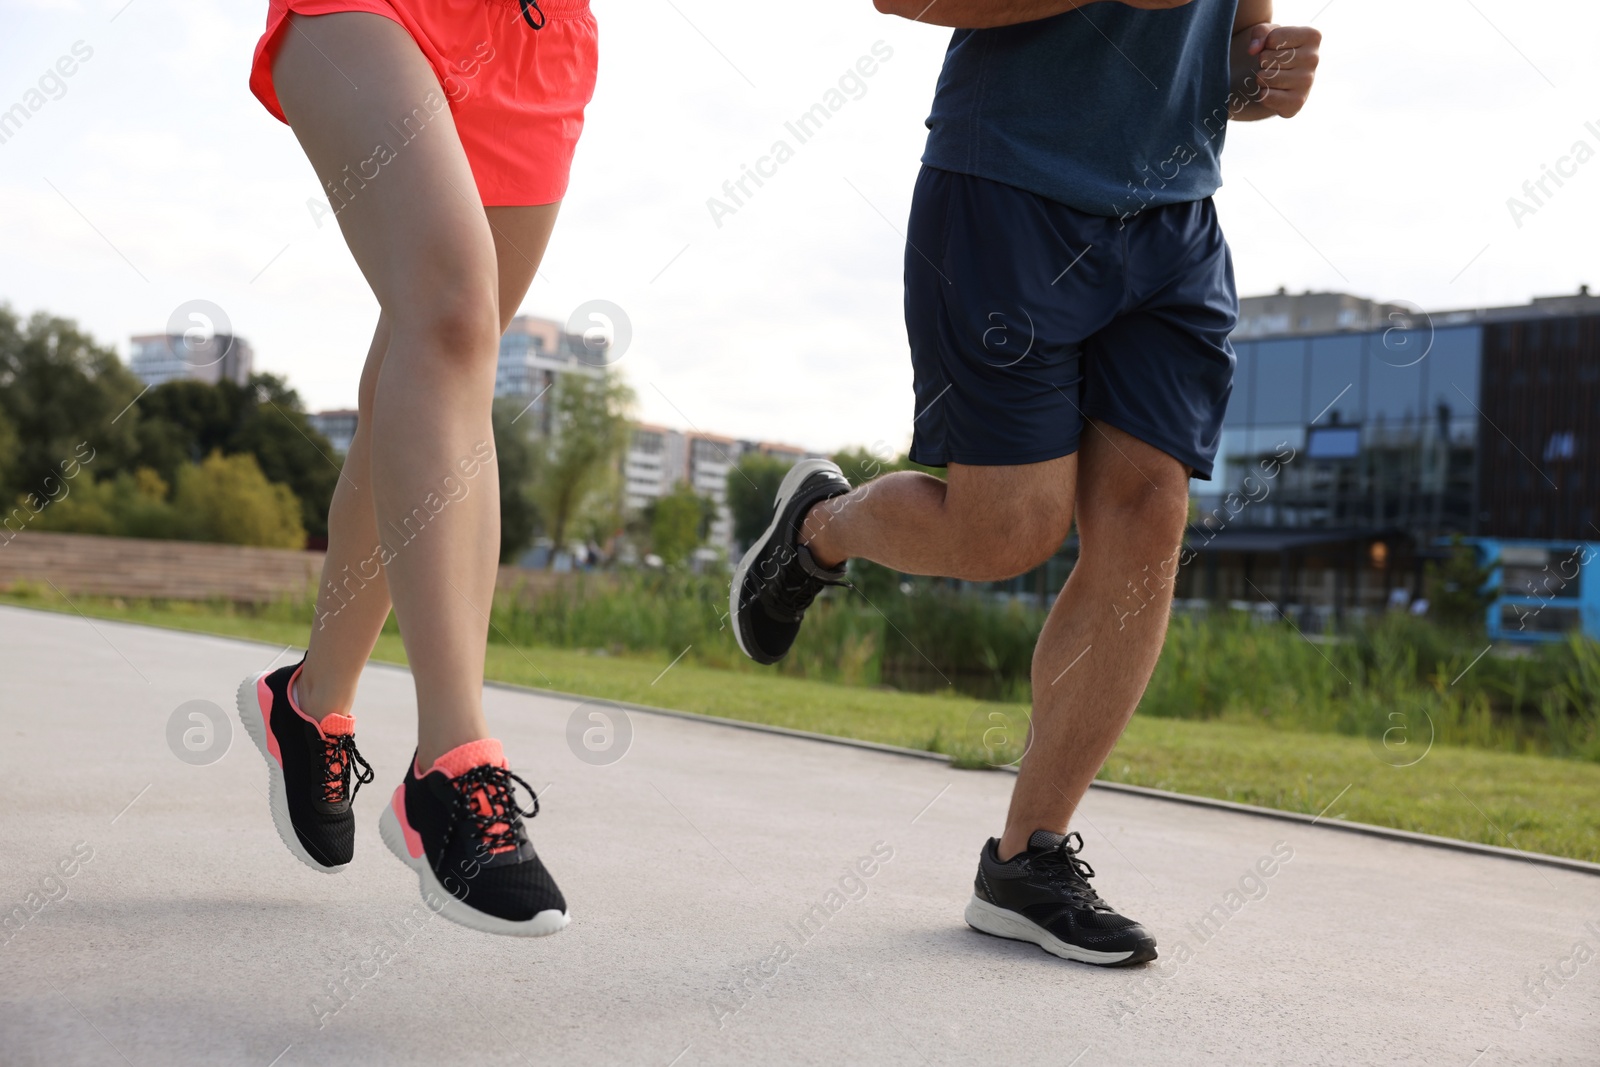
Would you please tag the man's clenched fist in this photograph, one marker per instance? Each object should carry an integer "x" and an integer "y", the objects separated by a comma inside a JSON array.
[{"x": 1273, "y": 67}]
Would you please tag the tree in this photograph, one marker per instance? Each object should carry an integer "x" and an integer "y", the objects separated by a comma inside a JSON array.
[
  {"x": 182, "y": 422},
  {"x": 58, "y": 390},
  {"x": 185, "y": 421},
  {"x": 752, "y": 487},
  {"x": 228, "y": 499},
  {"x": 273, "y": 428},
  {"x": 67, "y": 400},
  {"x": 678, "y": 523},
  {"x": 515, "y": 454},
  {"x": 9, "y": 446},
  {"x": 860, "y": 465},
  {"x": 578, "y": 462}
]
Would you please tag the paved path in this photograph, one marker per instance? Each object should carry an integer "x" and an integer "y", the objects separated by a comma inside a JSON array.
[{"x": 187, "y": 934}]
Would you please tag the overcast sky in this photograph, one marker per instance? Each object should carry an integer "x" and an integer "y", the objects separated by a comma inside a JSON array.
[{"x": 156, "y": 178}]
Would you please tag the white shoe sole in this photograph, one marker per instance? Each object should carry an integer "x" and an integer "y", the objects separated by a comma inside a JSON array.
[
  {"x": 787, "y": 488},
  {"x": 250, "y": 715},
  {"x": 439, "y": 901},
  {"x": 989, "y": 919}
]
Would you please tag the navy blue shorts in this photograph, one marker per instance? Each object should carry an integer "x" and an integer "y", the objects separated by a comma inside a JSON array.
[{"x": 1027, "y": 317}]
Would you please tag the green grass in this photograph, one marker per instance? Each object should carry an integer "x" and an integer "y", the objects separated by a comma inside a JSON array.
[{"x": 1518, "y": 800}]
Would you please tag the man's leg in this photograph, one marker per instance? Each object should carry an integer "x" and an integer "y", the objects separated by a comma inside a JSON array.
[
  {"x": 1090, "y": 666},
  {"x": 991, "y": 523},
  {"x": 983, "y": 524},
  {"x": 1132, "y": 503}
]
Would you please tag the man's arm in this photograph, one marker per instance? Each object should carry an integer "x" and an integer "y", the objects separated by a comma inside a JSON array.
[
  {"x": 987, "y": 14},
  {"x": 1271, "y": 66}
]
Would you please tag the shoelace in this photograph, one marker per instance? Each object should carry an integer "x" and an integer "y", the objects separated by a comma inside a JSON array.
[
  {"x": 339, "y": 754},
  {"x": 532, "y": 5},
  {"x": 488, "y": 804},
  {"x": 793, "y": 588},
  {"x": 1063, "y": 866}
]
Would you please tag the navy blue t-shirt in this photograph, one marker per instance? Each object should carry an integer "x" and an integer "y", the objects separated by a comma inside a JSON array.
[{"x": 1107, "y": 109}]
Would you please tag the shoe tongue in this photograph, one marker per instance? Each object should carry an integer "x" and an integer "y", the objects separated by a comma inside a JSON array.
[
  {"x": 463, "y": 758},
  {"x": 336, "y": 725},
  {"x": 1044, "y": 840}
]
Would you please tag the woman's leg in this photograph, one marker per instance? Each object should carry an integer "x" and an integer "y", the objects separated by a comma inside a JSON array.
[
  {"x": 353, "y": 600},
  {"x": 370, "y": 115}
]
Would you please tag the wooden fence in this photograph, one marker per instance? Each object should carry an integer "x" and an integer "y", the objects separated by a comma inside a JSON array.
[{"x": 90, "y": 565}]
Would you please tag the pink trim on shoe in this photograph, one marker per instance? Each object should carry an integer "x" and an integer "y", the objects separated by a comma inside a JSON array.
[
  {"x": 413, "y": 839},
  {"x": 264, "y": 702},
  {"x": 332, "y": 723}
]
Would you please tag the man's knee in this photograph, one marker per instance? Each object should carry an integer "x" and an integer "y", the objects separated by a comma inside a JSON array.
[
  {"x": 1004, "y": 540},
  {"x": 1032, "y": 548},
  {"x": 1140, "y": 517}
]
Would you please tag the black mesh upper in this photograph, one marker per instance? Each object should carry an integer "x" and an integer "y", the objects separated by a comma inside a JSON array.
[
  {"x": 511, "y": 885},
  {"x": 1047, "y": 885},
  {"x": 326, "y": 830}
]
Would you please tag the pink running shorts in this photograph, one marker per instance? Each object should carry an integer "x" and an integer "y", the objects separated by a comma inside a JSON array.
[{"x": 516, "y": 75}]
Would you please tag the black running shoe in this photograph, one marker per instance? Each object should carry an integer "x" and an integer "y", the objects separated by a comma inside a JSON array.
[
  {"x": 1043, "y": 895},
  {"x": 462, "y": 833},
  {"x": 308, "y": 769},
  {"x": 778, "y": 579}
]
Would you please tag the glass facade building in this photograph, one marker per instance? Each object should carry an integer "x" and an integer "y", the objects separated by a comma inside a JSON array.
[
  {"x": 1349, "y": 456},
  {"x": 1368, "y": 429}
]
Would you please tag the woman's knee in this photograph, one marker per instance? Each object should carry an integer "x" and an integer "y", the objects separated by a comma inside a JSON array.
[
  {"x": 456, "y": 323},
  {"x": 367, "y": 391}
]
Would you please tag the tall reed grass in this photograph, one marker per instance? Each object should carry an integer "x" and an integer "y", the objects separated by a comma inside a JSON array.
[{"x": 1402, "y": 681}]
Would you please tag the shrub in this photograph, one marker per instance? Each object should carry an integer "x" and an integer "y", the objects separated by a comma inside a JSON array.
[
  {"x": 227, "y": 499},
  {"x": 1455, "y": 588},
  {"x": 128, "y": 505}
]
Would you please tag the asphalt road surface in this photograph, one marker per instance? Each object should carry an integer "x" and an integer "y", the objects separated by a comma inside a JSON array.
[{"x": 719, "y": 912}]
